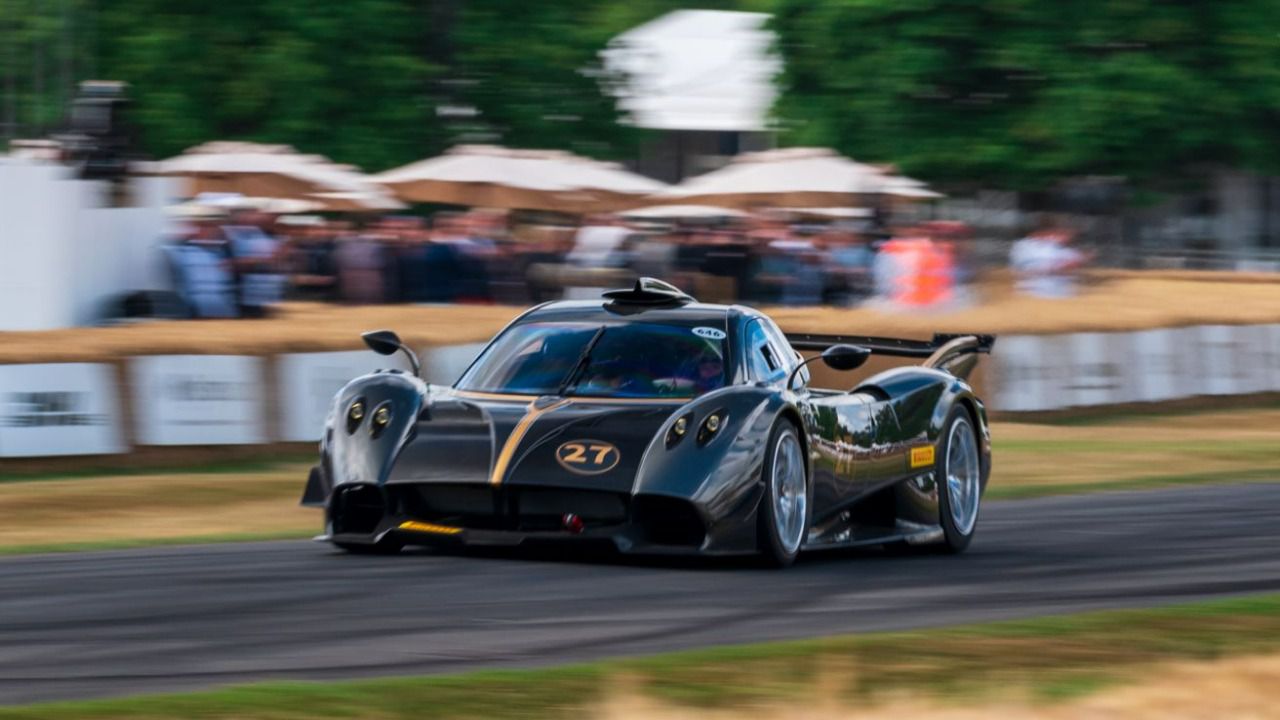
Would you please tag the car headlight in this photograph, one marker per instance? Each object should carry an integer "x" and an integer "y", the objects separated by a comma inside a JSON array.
[
  {"x": 711, "y": 427},
  {"x": 381, "y": 418},
  {"x": 355, "y": 413},
  {"x": 679, "y": 429}
]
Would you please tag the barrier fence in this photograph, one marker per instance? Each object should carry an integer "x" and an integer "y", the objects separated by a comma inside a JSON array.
[{"x": 54, "y": 409}]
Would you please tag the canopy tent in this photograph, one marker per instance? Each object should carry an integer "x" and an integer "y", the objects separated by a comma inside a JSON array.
[
  {"x": 792, "y": 177},
  {"x": 214, "y": 204},
  {"x": 492, "y": 176},
  {"x": 832, "y": 213},
  {"x": 274, "y": 171},
  {"x": 664, "y": 212}
]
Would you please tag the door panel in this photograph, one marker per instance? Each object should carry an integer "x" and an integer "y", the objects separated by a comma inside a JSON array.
[{"x": 843, "y": 437}]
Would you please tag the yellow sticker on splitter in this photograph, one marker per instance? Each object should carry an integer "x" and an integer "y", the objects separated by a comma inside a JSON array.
[
  {"x": 429, "y": 528},
  {"x": 922, "y": 456}
]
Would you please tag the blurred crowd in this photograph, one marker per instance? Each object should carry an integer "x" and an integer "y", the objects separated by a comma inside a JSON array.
[{"x": 241, "y": 263}]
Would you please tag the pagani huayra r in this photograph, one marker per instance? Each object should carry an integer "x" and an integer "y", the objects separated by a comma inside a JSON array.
[{"x": 658, "y": 424}]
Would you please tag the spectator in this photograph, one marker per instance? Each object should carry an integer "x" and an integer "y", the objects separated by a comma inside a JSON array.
[
  {"x": 913, "y": 271},
  {"x": 309, "y": 260},
  {"x": 1045, "y": 264},
  {"x": 255, "y": 256},
  {"x": 362, "y": 263},
  {"x": 848, "y": 261},
  {"x": 202, "y": 272}
]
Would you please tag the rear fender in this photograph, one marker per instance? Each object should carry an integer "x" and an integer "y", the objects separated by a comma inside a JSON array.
[{"x": 922, "y": 399}]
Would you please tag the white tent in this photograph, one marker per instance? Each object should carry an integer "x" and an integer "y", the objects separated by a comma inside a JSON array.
[
  {"x": 492, "y": 176},
  {"x": 274, "y": 171},
  {"x": 664, "y": 212},
  {"x": 792, "y": 177}
]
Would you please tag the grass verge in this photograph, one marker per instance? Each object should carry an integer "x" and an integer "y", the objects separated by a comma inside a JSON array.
[{"x": 1046, "y": 660}]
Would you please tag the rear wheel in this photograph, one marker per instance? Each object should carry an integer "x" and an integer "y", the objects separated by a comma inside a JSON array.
[
  {"x": 959, "y": 481},
  {"x": 784, "y": 510}
]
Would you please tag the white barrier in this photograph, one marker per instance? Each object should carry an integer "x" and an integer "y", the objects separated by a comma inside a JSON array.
[
  {"x": 72, "y": 408},
  {"x": 1271, "y": 355},
  {"x": 308, "y": 381},
  {"x": 1156, "y": 364},
  {"x": 445, "y": 365},
  {"x": 198, "y": 400},
  {"x": 1096, "y": 375},
  {"x": 1051, "y": 372},
  {"x": 58, "y": 409}
]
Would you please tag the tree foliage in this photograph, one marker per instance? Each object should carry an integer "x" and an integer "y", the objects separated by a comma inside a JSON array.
[
  {"x": 372, "y": 82},
  {"x": 1017, "y": 93}
]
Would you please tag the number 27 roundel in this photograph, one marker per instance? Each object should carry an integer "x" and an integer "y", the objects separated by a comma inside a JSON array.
[{"x": 588, "y": 457}]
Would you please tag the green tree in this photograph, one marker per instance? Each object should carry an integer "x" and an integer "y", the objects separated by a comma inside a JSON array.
[
  {"x": 45, "y": 47},
  {"x": 376, "y": 83},
  {"x": 1018, "y": 93},
  {"x": 342, "y": 79}
]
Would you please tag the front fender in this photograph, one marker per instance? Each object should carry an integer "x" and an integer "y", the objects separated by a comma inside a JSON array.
[
  {"x": 359, "y": 451},
  {"x": 721, "y": 478}
]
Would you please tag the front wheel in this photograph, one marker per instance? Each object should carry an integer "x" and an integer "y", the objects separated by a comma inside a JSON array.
[
  {"x": 959, "y": 481},
  {"x": 784, "y": 510}
]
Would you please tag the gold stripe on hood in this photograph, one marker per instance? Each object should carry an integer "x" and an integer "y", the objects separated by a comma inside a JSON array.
[{"x": 532, "y": 413}]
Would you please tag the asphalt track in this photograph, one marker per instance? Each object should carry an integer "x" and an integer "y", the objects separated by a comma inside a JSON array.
[{"x": 113, "y": 623}]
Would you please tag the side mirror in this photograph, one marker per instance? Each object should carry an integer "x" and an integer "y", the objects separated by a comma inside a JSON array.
[
  {"x": 385, "y": 342},
  {"x": 837, "y": 357},
  {"x": 845, "y": 357}
]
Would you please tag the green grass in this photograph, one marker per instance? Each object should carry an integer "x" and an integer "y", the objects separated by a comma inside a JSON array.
[{"x": 1049, "y": 659}]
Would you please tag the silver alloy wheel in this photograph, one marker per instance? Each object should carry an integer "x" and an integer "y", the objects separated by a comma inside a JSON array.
[
  {"x": 790, "y": 492},
  {"x": 963, "y": 476}
]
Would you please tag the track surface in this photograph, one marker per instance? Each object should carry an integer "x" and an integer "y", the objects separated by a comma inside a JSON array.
[{"x": 112, "y": 623}]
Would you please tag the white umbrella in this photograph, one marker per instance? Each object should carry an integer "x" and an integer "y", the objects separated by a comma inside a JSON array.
[
  {"x": 839, "y": 213},
  {"x": 682, "y": 211},
  {"x": 274, "y": 171},
  {"x": 214, "y": 203},
  {"x": 791, "y": 177},
  {"x": 492, "y": 176}
]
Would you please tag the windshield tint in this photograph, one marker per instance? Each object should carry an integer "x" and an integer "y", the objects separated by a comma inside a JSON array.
[{"x": 634, "y": 360}]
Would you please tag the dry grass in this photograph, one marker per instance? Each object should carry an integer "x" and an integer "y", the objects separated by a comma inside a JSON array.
[
  {"x": 1242, "y": 687},
  {"x": 1238, "y": 443},
  {"x": 154, "y": 507},
  {"x": 1120, "y": 302}
]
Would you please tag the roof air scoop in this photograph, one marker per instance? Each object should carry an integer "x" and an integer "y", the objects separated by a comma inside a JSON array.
[{"x": 650, "y": 291}]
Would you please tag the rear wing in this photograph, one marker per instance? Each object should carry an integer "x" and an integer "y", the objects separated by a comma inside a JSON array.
[{"x": 940, "y": 352}]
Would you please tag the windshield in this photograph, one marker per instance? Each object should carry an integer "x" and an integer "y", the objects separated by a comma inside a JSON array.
[{"x": 636, "y": 360}]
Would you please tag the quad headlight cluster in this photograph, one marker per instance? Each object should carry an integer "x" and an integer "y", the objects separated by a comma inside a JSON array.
[{"x": 707, "y": 430}]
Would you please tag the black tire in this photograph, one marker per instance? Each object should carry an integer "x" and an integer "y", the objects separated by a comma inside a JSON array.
[
  {"x": 955, "y": 541},
  {"x": 773, "y": 551}
]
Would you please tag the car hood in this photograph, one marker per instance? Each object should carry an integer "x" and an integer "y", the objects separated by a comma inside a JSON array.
[{"x": 579, "y": 443}]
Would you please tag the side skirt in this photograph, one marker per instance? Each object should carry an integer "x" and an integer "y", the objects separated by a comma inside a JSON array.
[{"x": 864, "y": 535}]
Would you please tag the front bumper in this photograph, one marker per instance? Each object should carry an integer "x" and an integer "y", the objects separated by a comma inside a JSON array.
[
  {"x": 626, "y": 539},
  {"x": 508, "y": 515}
]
